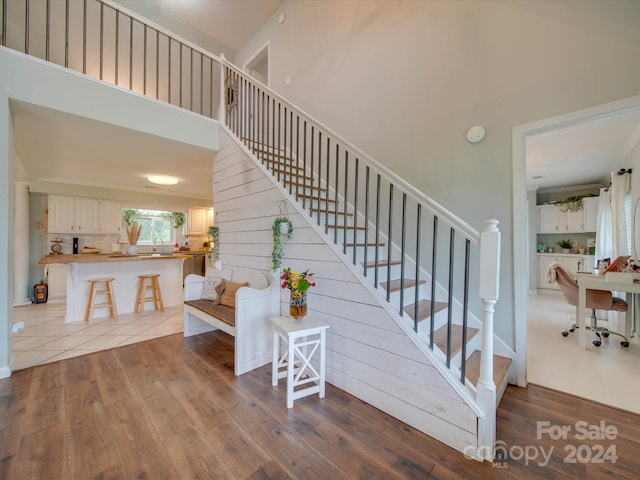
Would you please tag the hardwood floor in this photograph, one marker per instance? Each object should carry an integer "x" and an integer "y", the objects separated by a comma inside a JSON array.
[{"x": 171, "y": 408}]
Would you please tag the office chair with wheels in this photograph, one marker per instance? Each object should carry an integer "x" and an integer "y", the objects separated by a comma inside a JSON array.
[{"x": 596, "y": 300}]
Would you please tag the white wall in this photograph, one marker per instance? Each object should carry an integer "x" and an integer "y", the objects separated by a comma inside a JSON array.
[{"x": 405, "y": 80}]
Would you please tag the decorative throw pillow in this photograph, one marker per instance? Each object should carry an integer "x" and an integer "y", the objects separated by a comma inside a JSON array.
[
  {"x": 229, "y": 295},
  {"x": 212, "y": 287}
]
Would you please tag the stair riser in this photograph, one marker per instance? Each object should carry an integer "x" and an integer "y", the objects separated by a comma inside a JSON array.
[
  {"x": 371, "y": 253},
  {"x": 382, "y": 271},
  {"x": 352, "y": 236},
  {"x": 409, "y": 295},
  {"x": 474, "y": 344}
]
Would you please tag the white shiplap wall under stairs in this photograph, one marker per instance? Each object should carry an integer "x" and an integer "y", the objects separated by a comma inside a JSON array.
[{"x": 368, "y": 354}]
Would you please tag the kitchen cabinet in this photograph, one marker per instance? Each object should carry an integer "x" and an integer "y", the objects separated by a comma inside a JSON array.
[
  {"x": 551, "y": 219},
  {"x": 573, "y": 263},
  {"x": 87, "y": 211},
  {"x": 57, "y": 281},
  {"x": 110, "y": 221},
  {"x": 199, "y": 220},
  {"x": 571, "y": 222},
  {"x": 548, "y": 218},
  {"x": 61, "y": 214},
  {"x": 72, "y": 215},
  {"x": 78, "y": 215}
]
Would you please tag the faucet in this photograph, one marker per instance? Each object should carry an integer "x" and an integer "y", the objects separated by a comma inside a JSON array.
[{"x": 154, "y": 243}]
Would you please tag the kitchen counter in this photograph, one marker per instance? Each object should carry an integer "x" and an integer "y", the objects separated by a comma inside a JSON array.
[
  {"x": 125, "y": 270},
  {"x": 108, "y": 257}
]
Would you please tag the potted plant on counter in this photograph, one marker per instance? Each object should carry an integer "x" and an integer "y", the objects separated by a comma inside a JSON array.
[{"x": 566, "y": 245}]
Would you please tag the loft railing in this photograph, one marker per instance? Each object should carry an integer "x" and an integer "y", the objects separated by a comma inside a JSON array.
[
  {"x": 377, "y": 219},
  {"x": 106, "y": 41}
]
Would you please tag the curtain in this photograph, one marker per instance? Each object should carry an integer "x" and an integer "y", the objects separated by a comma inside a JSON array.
[
  {"x": 613, "y": 235},
  {"x": 604, "y": 228},
  {"x": 621, "y": 213}
]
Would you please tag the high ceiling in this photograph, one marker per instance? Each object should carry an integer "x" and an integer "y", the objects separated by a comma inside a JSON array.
[{"x": 231, "y": 22}]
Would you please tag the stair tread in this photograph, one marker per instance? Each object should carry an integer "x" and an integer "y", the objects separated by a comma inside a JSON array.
[
  {"x": 440, "y": 337},
  {"x": 316, "y": 198},
  {"x": 273, "y": 154},
  {"x": 331, "y": 212},
  {"x": 395, "y": 284},
  {"x": 383, "y": 263},
  {"x": 500, "y": 368},
  {"x": 424, "y": 309},
  {"x": 288, "y": 172},
  {"x": 362, "y": 244},
  {"x": 303, "y": 185},
  {"x": 348, "y": 227},
  {"x": 247, "y": 139},
  {"x": 276, "y": 162}
]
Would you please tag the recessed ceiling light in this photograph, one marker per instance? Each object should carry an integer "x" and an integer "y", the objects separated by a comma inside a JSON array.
[{"x": 162, "y": 179}]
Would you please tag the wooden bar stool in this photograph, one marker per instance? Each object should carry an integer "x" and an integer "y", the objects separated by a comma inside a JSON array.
[
  {"x": 156, "y": 295},
  {"x": 101, "y": 286}
]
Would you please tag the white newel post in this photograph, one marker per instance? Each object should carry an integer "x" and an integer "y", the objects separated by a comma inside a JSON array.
[
  {"x": 222, "y": 113},
  {"x": 21, "y": 245},
  {"x": 489, "y": 290}
]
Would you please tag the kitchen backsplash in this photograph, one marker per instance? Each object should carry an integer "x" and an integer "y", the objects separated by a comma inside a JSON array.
[{"x": 104, "y": 242}]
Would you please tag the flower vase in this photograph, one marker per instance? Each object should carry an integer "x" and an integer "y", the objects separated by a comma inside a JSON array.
[{"x": 298, "y": 305}]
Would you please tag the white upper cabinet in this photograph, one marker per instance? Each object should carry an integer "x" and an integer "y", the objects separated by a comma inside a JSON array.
[
  {"x": 110, "y": 217},
  {"x": 87, "y": 213},
  {"x": 199, "y": 220},
  {"x": 62, "y": 214},
  {"x": 83, "y": 216},
  {"x": 548, "y": 218},
  {"x": 551, "y": 219},
  {"x": 571, "y": 222}
]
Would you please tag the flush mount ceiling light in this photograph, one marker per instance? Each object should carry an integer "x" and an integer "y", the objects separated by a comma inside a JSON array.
[{"x": 162, "y": 179}]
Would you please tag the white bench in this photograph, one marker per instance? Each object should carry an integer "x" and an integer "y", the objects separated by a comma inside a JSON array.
[{"x": 248, "y": 322}]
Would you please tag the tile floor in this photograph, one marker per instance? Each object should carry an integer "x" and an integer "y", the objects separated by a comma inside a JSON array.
[
  {"x": 46, "y": 338},
  {"x": 609, "y": 374}
]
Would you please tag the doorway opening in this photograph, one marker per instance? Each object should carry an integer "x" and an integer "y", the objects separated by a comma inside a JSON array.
[
  {"x": 258, "y": 65},
  {"x": 522, "y": 212}
]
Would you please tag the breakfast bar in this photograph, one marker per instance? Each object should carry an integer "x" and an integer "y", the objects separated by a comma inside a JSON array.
[{"x": 125, "y": 270}]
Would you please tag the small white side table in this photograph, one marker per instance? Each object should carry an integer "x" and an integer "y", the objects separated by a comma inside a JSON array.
[{"x": 303, "y": 339}]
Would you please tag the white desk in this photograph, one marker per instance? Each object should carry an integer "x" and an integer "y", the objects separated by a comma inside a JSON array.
[
  {"x": 599, "y": 282},
  {"x": 303, "y": 338}
]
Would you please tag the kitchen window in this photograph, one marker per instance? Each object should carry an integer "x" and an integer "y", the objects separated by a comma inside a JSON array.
[{"x": 155, "y": 226}]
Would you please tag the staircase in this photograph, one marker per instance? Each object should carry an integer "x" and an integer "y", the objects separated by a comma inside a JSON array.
[
  {"x": 460, "y": 345},
  {"x": 430, "y": 271}
]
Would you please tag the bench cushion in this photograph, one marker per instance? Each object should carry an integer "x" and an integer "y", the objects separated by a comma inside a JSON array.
[
  {"x": 221, "y": 312},
  {"x": 228, "y": 297}
]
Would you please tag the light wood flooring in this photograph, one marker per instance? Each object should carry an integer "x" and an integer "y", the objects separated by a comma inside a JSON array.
[{"x": 171, "y": 408}]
